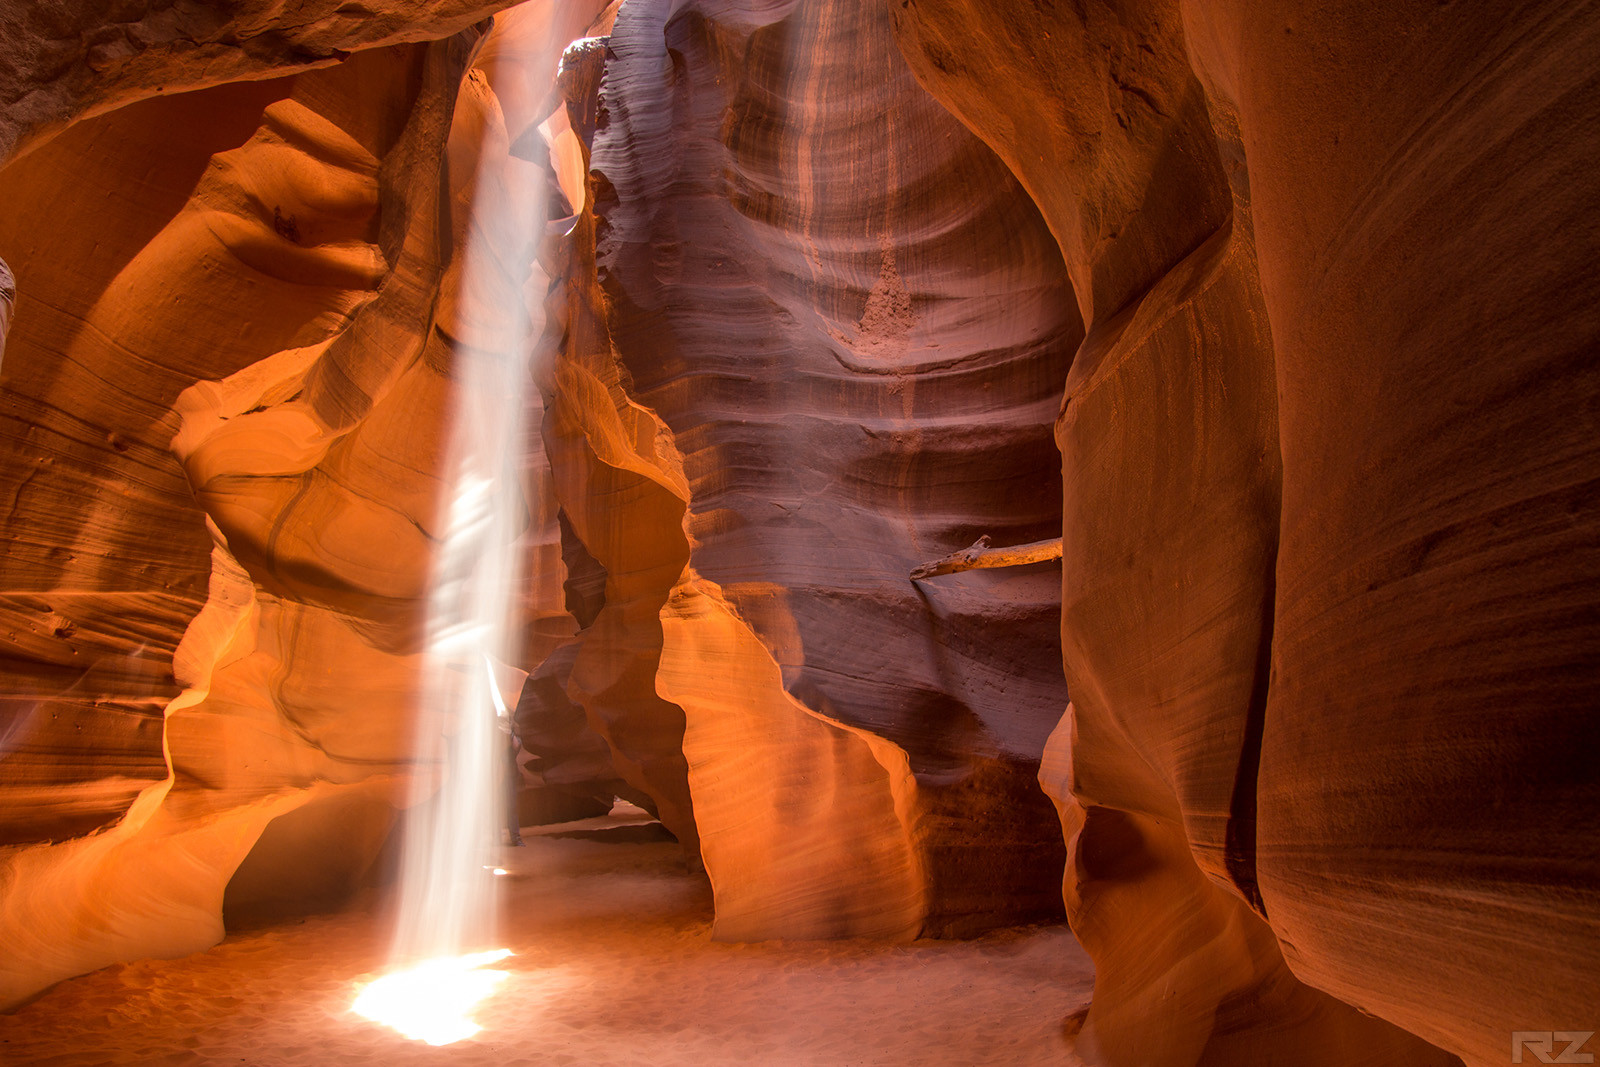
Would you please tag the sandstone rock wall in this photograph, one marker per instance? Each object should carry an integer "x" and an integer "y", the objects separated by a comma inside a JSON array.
[
  {"x": 324, "y": 259},
  {"x": 106, "y": 556},
  {"x": 1315, "y": 688},
  {"x": 621, "y": 490},
  {"x": 1429, "y": 807},
  {"x": 300, "y": 631},
  {"x": 851, "y": 325},
  {"x": 64, "y": 61},
  {"x": 1326, "y": 441}
]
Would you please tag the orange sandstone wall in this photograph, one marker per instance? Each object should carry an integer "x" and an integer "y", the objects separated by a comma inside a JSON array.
[
  {"x": 1339, "y": 724},
  {"x": 1307, "y": 295},
  {"x": 322, "y": 226},
  {"x": 1429, "y": 835},
  {"x": 620, "y": 486},
  {"x": 288, "y": 316},
  {"x": 106, "y": 553}
]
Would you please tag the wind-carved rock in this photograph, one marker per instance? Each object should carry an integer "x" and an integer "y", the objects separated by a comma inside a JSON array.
[
  {"x": 620, "y": 486},
  {"x": 68, "y": 61},
  {"x": 317, "y": 466},
  {"x": 1273, "y": 739},
  {"x": 1168, "y": 438},
  {"x": 1168, "y": 442},
  {"x": 1428, "y": 765},
  {"x": 846, "y": 325},
  {"x": 1327, "y": 514}
]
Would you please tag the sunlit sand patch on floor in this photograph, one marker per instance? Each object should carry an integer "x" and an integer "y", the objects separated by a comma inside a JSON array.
[{"x": 434, "y": 1000}]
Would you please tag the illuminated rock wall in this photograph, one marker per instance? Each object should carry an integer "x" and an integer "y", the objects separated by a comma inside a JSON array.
[
  {"x": 311, "y": 279},
  {"x": 1427, "y": 262},
  {"x": 66, "y": 61},
  {"x": 312, "y": 605}
]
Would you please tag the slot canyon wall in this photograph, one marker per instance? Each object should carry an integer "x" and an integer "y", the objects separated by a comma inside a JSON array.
[
  {"x": 66, "y": 61},
  {"x": 1407, "y": 789},
  {"x": 1282, "y": 319},
  {"x": 837, "y": 395},
  {"x": 226, "y": 404}
]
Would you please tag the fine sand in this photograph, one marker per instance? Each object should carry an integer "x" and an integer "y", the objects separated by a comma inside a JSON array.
[{"x": 614, "y": 965}]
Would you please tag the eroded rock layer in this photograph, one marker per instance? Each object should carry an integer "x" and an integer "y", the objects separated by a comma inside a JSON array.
[
  {"x": 295, "y": 620},
  {"x": 853, "y": 324},
  {"x": 333, "y": 238},
  {"x": 1429, "y": 807},
  {"x": 106, "y": 553},
  {"x": 1168, "y": 441},
  {"x": 621, "y": 490},
  {"x": 1327, "y": 450},
  {"x": 1226, "y": 700},
  {"x": 65, "y": 60}
]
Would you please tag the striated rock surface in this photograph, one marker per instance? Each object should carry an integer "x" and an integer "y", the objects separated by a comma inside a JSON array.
[
  {"x": 1324, "y": 418},
  {"x": 334, "y": 238},
  {"x": 1429, "y": 844},
  {"x": 257, "y": 731},
  {"x": 66, "y": 60},
  {"x": 621, "y": 492},
  {"x": 843, "y": 328},
  {"x": 301, "y": 634},
  {"x": 1168, "y": 442},
  {"x": 1313, "y": 712},
  {"x": 106, "y": 553}
]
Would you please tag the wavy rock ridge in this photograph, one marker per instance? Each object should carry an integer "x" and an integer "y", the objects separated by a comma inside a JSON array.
[
  {"x": 315, "y": 464},
  {"x": 840, "y": 384},
  {"x": 1313, "y": 691}
]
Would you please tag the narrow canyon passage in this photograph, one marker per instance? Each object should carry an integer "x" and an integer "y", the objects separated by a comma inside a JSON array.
[{"x": 1070, "y": 531}]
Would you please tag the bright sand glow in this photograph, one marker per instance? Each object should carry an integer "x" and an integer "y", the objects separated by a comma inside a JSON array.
[{"x": 434, "y": 1001}]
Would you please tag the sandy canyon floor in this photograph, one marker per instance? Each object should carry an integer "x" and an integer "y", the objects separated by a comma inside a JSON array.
[{"x": 614, "y": 965}]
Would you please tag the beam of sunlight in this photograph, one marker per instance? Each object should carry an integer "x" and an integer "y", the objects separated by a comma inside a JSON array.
[
  {"x": 447, "y": 899},
  {"x": 434, "y": 1001}
]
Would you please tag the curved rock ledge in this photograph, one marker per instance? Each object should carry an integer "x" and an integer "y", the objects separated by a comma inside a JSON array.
[{"x": 69, "y": 61}]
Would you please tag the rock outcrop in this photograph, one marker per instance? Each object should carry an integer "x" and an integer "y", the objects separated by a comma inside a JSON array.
[
  {"x": 107, "y": 556},
  {"x": 1429, "y": 807},
  {"x": 1305, "y": 290},
  {"x": 300, "y": 631},
  {"x": 1276, "y": 704},
  {"x": 845, "y": 326},
  {"x": 293, "y": 613},
  {"x": 318, "y": 268},
  {"x": 620, "y": 489},
  {"x": 65, "y": 61}
]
